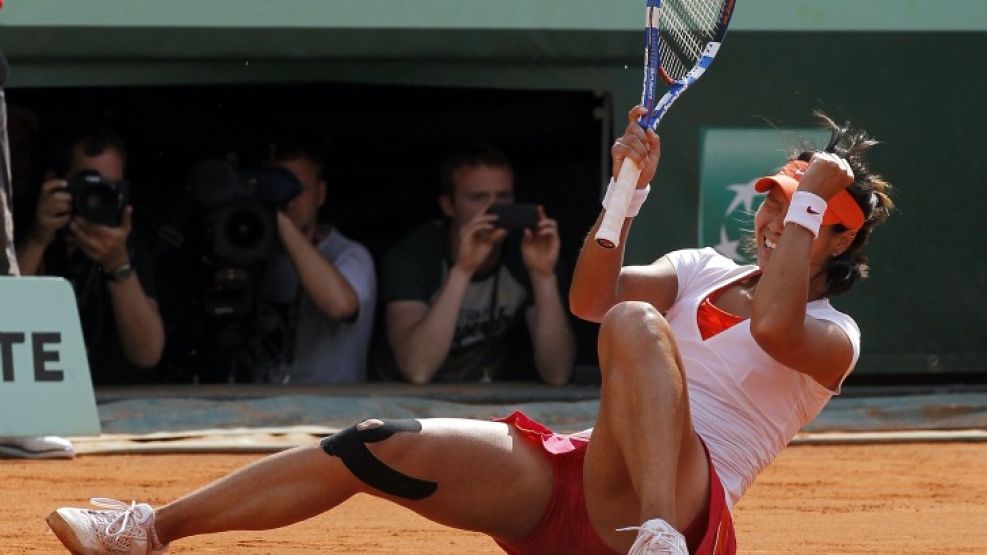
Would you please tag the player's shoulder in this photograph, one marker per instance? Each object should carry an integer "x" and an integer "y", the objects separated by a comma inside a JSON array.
[
  {"x": 822, "y": 309},
  {"x": 701, "y": 258}
]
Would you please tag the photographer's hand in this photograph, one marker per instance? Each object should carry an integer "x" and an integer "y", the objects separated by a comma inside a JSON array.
[
  {"x": 104, "y": 245},
  {"x": 53, "y": 212},
  {"x": 477, "y": 240},
  {"x": 540, "y": 246},
  {"x": 551, "y": 335}
]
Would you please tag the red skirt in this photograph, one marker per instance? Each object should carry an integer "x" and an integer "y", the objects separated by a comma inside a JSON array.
[{"x": 565, "y": 527}]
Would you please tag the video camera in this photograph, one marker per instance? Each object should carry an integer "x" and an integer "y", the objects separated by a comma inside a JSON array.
[
  {"x": 98, "y": 200},
  {"x": 239, "y": 208},
  {"x": 223, "y": 237}
]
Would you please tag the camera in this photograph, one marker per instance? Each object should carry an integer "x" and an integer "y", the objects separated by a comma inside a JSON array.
[
  {"x": 223, "y": 239},
  {"x": 98, "y": 200},
  {"x": 239, "y": 208},
  {"x": 515, "y": 216}
]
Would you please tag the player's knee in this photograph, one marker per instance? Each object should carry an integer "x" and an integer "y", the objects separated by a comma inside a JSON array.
[
  {"x": 633, "y": 326},
  {"x": 350, "y": 446}
]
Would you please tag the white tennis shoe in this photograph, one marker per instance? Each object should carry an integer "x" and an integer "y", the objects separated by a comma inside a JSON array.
[
  {"x": 119, "y": 528},
  {"x": 657, "y": 537},
  {"x": 38, "y": 447}
]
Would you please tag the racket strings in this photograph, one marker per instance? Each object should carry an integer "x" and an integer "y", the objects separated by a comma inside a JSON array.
[{"x": 686, "y": 28}]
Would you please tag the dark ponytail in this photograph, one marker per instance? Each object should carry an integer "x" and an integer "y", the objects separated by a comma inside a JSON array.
[{"x": 872, "y": 195}]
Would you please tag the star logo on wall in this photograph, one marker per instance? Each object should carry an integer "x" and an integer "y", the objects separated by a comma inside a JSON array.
[
  {"x": 744, "y": 196},
  {"x": 742, "y": 193},
  {"x": 726, "y": 247}
]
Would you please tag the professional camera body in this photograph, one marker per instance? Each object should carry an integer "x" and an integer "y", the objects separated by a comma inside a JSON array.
[
  {"x": 98, "y": 200},
  {"x": 226, "y": 232},
  {"x": 239, "y": 208}
]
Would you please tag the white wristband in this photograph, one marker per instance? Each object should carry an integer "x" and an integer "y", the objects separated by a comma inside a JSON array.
[
  {"x": 637, "y": 199},
  {"x": 806, "y": 210}
]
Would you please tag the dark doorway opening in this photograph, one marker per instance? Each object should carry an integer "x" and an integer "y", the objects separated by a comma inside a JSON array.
[{"x": 383, "y": 146}]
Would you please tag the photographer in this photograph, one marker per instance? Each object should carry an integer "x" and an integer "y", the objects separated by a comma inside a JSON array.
[
  {"x": 327, "y": 278},
  {"x": 456, "y": 290},
  {"x": 82, "y": 232}
]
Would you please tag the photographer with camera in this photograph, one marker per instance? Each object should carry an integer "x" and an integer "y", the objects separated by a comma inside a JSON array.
[
  {"x": 328, "y": 279},
  {"x": 456, "y": 290},
  {"x": 270, "y": 295},
  {"x": 82, "y": 232}
]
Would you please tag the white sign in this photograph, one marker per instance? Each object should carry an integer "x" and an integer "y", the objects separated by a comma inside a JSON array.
[{"x": 45, "y": 387}]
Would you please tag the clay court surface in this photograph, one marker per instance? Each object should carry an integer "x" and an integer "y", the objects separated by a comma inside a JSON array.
[{"x": 897, "y": 498}]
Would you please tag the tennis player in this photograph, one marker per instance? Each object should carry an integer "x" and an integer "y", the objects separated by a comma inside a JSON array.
[{"x": 709, "y": 369}]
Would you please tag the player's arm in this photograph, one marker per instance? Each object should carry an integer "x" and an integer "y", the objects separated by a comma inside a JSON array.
[
  {"x": 600, "y": 281},
  {"x": 779, "y": 323}
]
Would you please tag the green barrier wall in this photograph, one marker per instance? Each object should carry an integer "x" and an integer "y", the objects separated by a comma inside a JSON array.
[
  {"x": 913, "y": 78},
  {"x": 923, "y": 308}
]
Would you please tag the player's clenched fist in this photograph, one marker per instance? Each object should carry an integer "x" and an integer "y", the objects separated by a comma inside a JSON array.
[{"x": 826, "y": 175}]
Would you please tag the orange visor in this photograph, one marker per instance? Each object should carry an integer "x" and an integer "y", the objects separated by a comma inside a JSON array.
[{"x": 841, "y": 209}]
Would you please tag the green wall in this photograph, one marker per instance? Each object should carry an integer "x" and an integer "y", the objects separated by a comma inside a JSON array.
[
  {"x": 913, "y": 78},
  {"x": 551, "y": 15},
  {"x": 924, "y": 306}
]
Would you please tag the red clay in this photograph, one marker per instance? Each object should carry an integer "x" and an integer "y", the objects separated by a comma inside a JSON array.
[{"x": 894, "y": 499}]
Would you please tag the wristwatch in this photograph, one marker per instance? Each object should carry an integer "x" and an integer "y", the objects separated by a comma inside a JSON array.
[{"x": 119, "y": 273}]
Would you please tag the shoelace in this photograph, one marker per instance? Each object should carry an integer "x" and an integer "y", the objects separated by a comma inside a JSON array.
[
  {"x": 667, "y": 540},
  {"x": 129, "y": 516}
]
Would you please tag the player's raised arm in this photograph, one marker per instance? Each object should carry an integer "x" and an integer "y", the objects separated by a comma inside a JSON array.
[
  {"x": 681, "y": 39},
  {"x": 779, "y": 322},
  {"x": 600, "y": 280}
]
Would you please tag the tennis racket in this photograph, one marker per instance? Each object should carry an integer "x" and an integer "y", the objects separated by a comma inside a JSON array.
[
  {"x": 8, "y": 262},
  {"x": 681, "y": 38}
]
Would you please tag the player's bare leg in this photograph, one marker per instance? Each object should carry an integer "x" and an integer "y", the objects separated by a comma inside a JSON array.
[
  {"x": 463, "y": 473},
  {"x": 644, "y": 459},
  {"x": 467, "y": 460}
]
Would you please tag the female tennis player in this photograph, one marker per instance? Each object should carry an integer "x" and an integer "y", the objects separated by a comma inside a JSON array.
[{"x": 709, "y": 369}]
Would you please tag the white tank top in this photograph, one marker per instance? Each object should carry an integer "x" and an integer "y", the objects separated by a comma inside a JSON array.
[{"x": 745, "y": 406}]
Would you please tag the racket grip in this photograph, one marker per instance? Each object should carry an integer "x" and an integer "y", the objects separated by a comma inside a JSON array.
[{"x": 608, "y": 236}]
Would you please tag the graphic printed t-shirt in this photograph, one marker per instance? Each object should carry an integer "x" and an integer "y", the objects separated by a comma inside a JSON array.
[{"x": 489, "y": 330}]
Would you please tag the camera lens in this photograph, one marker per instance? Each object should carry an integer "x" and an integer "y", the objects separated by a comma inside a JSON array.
[
  {"x": 92, "y": 202},
  {"x": 245, "y": 229}
]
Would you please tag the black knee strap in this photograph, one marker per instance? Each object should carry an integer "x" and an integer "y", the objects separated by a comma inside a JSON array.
[{"x": 350, "y": 446}]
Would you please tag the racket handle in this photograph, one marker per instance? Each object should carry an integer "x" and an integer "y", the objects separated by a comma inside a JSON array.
[{"x": 608, "y": 236}]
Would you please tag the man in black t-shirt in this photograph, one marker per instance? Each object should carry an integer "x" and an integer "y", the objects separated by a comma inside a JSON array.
[
  {"x": 106, "y": 264},
  {"x": 457, "y": 291}
]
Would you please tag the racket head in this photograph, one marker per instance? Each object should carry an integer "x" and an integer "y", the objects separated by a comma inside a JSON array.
[
  {"x": 680, "y": 36},
  {"x": 685, "y": 28}
]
